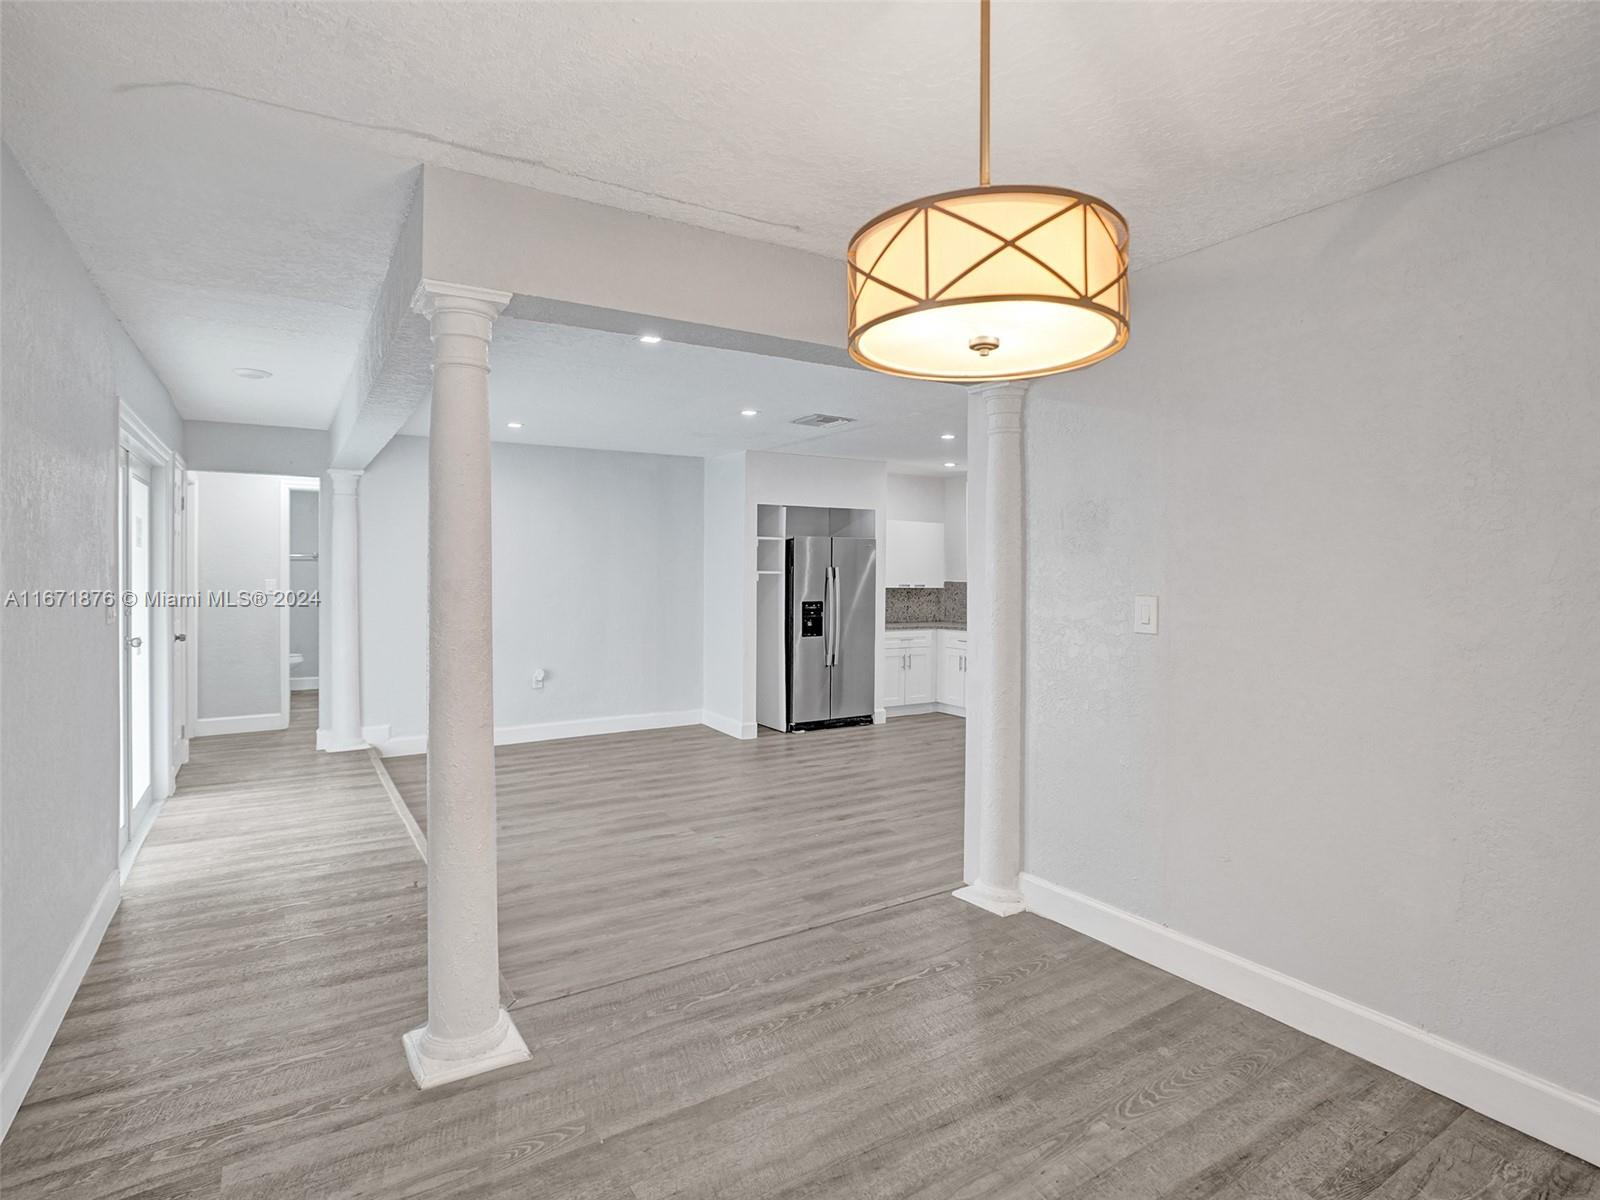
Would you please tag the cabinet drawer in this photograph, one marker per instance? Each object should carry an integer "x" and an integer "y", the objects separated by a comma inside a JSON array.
[{"x": 920, "y": 639}]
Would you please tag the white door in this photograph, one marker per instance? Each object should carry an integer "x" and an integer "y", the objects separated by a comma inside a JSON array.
[
  {"x": 181, "y": 622},
  {"x": 136, "y": 647}
]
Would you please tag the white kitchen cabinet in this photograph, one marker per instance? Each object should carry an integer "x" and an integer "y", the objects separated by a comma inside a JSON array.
[
  {"x": 907, "y": 675},
  {"x": 913, "y": 555},
  {"x": 919, "y": 675},
  {"x": 953, "y": 668},
  {"x": 892, "y": 679},
  {"x": 923, "y": 668}
]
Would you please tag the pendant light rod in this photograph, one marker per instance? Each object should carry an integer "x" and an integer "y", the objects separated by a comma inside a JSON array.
[{"x": 983, "y": 93}]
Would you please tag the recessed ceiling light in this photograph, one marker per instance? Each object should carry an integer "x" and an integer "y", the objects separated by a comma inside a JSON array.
[
  {"x": 949, "y": 464},
  {"x": 947, "y": 437},
  {"x": 649, "y": 339},
  {"x": 748, "y": 412},
  {"x": 252, "y": 373},
  {"x": 513, "y": 424}
]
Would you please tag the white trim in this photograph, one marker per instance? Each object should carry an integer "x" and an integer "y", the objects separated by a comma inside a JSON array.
[
  {"x": 136, "y": 838},
  {"x": 727, "y": 725},
  {"x": 917, "y": 710},
  {"x": 284, "y": 572},
  {"x": 398, "y": 801},
  {"x": 302, "y": 683},
  {"x": 326, "y": 742},
  {"x": 511, "y": 735},
  {"x": 1545, "y": 1110},
  {"x": 249, "y": 723},
  {"x": 18, "y": 1073},
  {"x": 134, "y": 434}
]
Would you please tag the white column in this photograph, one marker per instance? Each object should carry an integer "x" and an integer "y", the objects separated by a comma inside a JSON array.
[
  {"x": 468, "y": 1032},
  {"x": 998, "y": 886},
  {"x": 344, "y": 660}
]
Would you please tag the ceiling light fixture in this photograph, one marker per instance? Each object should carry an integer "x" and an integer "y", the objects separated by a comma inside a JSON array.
[
  {"x": 949, "y": 464},
  {"x": 947, "y": 437},
  {"x": 513, "y": 424},
  {"x": 989, "y": 282},
  {"x": 649, "y": 339},
  {"x": 252, "y": 373},
  {"x": 748, "y": 412}
]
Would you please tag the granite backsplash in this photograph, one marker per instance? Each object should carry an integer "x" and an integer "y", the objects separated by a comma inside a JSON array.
[{"x": 946, "y": 606}]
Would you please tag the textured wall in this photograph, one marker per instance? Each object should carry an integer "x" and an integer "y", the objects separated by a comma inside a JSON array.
[
  {"x": 1358, "y": 456},
  {"x": 597, "y": 578},
  {"x": 65, "y": 361}
]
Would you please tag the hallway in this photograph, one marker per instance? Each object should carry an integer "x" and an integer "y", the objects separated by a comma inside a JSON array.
[{"x": 236, "y": 1036}]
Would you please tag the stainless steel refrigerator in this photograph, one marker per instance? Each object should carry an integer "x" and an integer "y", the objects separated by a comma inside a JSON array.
[{"x": 831, "y": 628}]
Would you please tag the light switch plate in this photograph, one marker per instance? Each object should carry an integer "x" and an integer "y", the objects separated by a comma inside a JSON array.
[{"x": 1145, "y": 615}]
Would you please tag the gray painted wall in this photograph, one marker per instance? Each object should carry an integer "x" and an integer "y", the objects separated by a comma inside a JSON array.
[
  {"x": 240, "y": 651},
  {"x": 258, "y": 449},
  {"x": 1357, "y": 454},
  {"x": 65, "y": 361},
  {"x": 597, "y": 578}
]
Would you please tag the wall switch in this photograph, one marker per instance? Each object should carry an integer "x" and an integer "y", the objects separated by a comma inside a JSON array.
[
  {"x": 538, "y": 679},
  {"x": 1144, "y": 614}
]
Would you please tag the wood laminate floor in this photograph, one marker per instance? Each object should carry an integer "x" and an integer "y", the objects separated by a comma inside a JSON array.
[
  {"x": 709, "y": 843},
  {"x": 238, "y": 1035}
]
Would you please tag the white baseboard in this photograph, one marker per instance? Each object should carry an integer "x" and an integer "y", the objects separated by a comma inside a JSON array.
[
  {"x": 511, "y": 735},
  {"x": 302, "y": 683},
  {"x": 727, "y": 725},
  {"x": 17, "y": 1074},
  {"x": 326, "y": 740},
  {"x": 250, "y": 723},
  {"x": 917, "y": 710},
  {"x": 136, "y": 838},
  {"x": 1566, "y": 1119}
]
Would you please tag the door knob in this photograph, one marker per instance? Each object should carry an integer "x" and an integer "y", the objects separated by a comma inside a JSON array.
[
  {"x": 180, "y": 637},
  {"x": 135, "y": 642}
]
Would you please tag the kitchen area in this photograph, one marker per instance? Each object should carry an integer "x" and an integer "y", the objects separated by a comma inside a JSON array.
[
  {"x": 861, "y": 613},
  {"x": 926, "y": 652}
]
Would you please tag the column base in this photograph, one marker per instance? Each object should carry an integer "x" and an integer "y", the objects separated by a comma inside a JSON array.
[
  {"x": 327, "y": 740},
  {"x": 1000, "y": 903},
  {"x": 431, "y": 1067}
]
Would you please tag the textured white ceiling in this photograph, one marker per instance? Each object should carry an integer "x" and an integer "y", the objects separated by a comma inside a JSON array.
[
  {"x": 580, "y": 387},
  {"x": 235, "y": 174}
]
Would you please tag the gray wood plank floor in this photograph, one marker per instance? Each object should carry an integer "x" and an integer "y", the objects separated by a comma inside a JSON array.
[
  {"x": 238, "y": 1037},
  {"x": 710, "y": 843}
]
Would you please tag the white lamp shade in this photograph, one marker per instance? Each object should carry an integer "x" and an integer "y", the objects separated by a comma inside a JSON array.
[{"x": 989, "y": 283}]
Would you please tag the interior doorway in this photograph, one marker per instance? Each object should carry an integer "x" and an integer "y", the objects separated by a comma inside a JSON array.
[{"x": 138, "y": 646}]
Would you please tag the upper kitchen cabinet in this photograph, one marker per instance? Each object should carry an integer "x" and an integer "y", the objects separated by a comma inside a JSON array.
[{"x": 914, "y": 554}]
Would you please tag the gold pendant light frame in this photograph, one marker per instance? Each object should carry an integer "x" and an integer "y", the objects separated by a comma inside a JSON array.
[{"x": 997, "y": 288}]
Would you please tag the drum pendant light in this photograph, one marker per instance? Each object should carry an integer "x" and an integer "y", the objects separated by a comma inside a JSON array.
[{"x": 991, "y": 282}]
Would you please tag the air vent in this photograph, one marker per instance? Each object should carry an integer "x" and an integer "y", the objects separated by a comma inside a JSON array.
[{"x": 822, "y": 420}]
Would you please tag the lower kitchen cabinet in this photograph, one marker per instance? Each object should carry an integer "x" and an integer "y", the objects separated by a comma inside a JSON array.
[
  {"x": 907, "y": 675},
  {"x": 924, "y": 669}
]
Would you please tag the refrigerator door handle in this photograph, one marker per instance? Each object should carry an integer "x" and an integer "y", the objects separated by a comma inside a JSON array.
[
  {"x": 828, "y": 603},
  {"x": 838, "y": 626}
]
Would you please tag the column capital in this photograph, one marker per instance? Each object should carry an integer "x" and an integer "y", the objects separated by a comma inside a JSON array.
[
  {"x": 435, "y": 296},
  {"x": 1003, "y": 397},
  {"x": 345, "y": 481}
]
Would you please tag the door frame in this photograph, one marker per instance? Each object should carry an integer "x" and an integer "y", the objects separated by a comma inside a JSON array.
[
  {"x": 289, "y": 484},
  {"x": 137, "y": 441}
]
